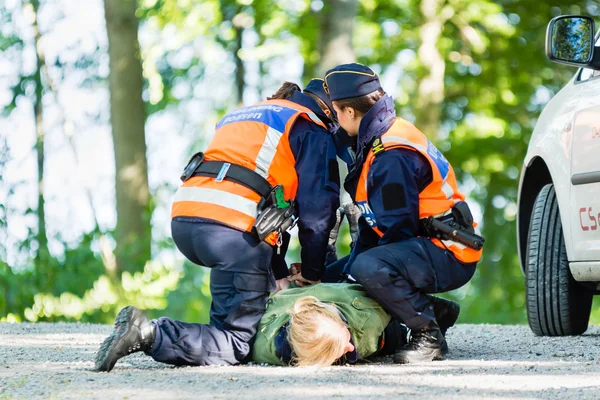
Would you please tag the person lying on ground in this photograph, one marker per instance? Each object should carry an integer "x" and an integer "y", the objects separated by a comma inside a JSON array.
[{"x": 332, "y": 323}]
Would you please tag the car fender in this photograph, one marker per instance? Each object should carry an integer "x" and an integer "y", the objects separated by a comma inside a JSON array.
[{"x": 550, "y": 145}]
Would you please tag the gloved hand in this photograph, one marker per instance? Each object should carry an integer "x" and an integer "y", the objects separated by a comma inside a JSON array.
[
  {"x": 333, "y": 236},
  {"x": 335, "y": 231},
  {"x": 353, "y": 213}
]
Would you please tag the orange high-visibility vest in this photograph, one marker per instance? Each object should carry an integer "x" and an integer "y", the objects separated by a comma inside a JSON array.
[
  {"x": 255, "y": 137},
  {"x": 435, "y": 200}
]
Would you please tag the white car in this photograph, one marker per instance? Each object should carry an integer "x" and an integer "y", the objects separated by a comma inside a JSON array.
[{"x": 558, "y": 221}]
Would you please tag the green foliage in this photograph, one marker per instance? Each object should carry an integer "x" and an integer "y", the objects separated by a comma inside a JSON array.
[
  {"x": 16, "y": 288},
  {"x": 488, "y": 145},
  {"x": 191, "y": 300},
  {"x": 147, "y": 290},
  {"x": 495, "y": 75},
  {"x": 495, "y": 82}
]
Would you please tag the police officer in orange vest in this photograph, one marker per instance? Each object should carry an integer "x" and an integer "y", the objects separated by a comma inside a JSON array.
[
  {"x": 268, "y": 167},
  {"x": 416, "y": 232}
]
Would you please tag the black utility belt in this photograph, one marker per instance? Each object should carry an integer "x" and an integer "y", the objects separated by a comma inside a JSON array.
[
  {"x": 275, "y": 214},
  {"x": 221, "y": 171}
]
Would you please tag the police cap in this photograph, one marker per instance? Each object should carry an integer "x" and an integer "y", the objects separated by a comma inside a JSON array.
[
  {"x": 350, "y": 80},
  {"x": 315, "y": 86}
]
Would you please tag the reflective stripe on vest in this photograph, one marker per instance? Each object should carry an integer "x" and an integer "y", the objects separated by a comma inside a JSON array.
[
  {"x": 435, "y": 199},
  {"x": 217, "y": 197},
  {"x": 256, "y": 137}
]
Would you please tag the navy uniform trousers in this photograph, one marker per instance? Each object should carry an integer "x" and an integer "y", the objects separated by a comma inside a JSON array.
[
  {"x": 240, "y": 283},
  {"x": 399, "y": 275}
]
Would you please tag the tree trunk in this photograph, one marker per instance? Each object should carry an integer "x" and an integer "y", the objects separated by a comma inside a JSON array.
[
  {"x": 430, "y": 93},
  {"x": 336, "y": 27},
  {"x": 240, "y": 72},
  {"x": 335, "y": 39},
  {"x": 133, "y": 231},
  {"x": 42, "y": 240},
  {"x": 232, "y": 11}
]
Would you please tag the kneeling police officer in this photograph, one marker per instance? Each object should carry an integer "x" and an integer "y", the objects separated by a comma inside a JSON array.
[
  {"x": 268, "y": 166},
  {"x": 416, "y": 232}
]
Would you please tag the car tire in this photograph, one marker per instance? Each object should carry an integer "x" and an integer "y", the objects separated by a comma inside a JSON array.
[{"x": 556, "y": 304}]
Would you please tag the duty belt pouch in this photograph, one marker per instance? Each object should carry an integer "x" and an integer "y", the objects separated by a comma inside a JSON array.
[
  {"x": 275, "y": 214},
  {"x": 192, "y": 166}
]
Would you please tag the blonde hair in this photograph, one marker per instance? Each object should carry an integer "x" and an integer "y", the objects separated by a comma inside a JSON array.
[{"x": 316, "y": 333}]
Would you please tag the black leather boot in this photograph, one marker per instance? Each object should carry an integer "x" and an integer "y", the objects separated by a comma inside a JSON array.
[
  {"x": 426, "y": 344},
  {"x": 445, "y": 311},
  {"x": 395, "y": 337},
  {"x": 132, "y": 333}
]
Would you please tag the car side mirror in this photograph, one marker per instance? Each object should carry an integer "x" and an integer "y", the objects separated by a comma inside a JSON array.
[{"x": 570, "y": 40}]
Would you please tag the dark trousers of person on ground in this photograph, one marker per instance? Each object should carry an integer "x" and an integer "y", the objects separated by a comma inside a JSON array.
[
  {"x": 240, "y": 283},
  {"x": 400, "y": 275}
]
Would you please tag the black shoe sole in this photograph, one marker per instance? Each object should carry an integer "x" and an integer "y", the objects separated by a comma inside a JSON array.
[
  {"x": 121, "y": 327},
  {"x": 402, "y": 358},
  {"x": 444, "y": 350},
  {"x": 412, "y": 356}
]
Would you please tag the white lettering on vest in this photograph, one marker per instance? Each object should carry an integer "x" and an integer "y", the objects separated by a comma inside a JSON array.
[
  {"x": 238, "y": 117},
  {"x": 367, "y": 213},
  {"x": 252, "y": 109}
]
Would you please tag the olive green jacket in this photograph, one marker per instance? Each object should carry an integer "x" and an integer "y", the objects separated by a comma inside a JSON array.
[{"x": 366, "y": 318}]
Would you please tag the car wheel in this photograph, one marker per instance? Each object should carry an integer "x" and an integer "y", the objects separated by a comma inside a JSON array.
[{"x": 556, "y": 304}]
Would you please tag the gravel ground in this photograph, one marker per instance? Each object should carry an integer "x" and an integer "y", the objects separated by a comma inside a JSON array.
[{"x": 56, "y": 361}]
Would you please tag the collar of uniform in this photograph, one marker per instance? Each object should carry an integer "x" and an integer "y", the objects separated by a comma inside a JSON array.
[
  {"x": 308, "y": 102},
  {"x": 345, "y": 146},
  {"x": 282, "y": 346},
  {"x": 376, "y": 122}
]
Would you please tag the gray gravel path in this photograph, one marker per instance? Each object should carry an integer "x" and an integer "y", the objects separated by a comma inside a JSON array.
[{"x": 56, "y": 360}]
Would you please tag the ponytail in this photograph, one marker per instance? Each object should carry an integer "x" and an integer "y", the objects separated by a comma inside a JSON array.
[{"x": 285, "y": 91}]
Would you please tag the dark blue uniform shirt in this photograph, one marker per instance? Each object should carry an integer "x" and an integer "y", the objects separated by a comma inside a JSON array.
[
  {"x": 318, "y": 195},
  {"x": 395, "y": 179}
]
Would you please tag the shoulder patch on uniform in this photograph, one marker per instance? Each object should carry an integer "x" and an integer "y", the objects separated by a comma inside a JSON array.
[
  {"x": 377, "y": 146},
  {"x": 394, "y": 197},
  {"x": 333, "y": 172}
]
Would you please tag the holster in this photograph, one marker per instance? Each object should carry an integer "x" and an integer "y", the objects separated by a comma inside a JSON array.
[
  {"x": 192, "y": 166},
  {"x": 456, "y": 226},
  {"x": 274, "y": 216}
]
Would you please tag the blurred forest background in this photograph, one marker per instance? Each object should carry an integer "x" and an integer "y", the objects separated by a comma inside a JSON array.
[{"x": 103, "y": 102}]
